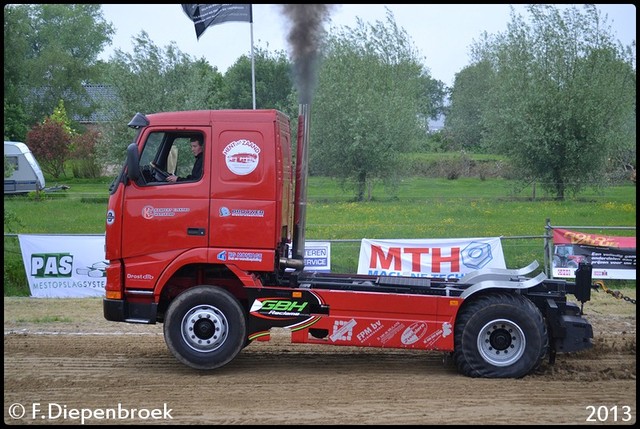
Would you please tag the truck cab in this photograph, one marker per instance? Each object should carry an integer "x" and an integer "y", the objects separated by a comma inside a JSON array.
[{"x": 235, "y": 218}]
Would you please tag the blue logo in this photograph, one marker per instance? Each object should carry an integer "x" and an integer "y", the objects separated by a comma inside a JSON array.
[
  {"x": 224, "y": 212},
  {"x": 476, "y": 255},
  {"x": 222, "y": 256}
]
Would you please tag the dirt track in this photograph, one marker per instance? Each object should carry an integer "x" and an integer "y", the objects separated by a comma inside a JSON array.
[{"x": 60, "y": 355}]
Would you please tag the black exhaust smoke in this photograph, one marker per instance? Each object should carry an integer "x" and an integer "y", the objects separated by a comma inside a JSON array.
[{"x": 304, "y": 42}]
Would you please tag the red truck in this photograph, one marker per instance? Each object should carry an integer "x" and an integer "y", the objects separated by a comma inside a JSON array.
[{"x": 219, "y": 260}]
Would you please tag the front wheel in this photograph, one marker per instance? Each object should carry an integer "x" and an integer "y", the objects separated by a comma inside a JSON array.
[
  {"x": 500, "y": 335},
  {"x": 205, "y": 327}
]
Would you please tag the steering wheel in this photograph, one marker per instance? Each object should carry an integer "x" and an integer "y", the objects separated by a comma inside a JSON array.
[{"x": 160, "y": 174}]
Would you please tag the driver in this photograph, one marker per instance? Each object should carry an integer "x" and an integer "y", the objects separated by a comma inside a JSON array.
[{"x": 196, "y": 171}]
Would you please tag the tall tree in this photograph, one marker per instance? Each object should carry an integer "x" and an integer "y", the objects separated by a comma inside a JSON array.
[
  {"x": 274, "y": 84},
  {"x": 562, "y": 97},
  {"x": 469, "y": 97},
  {"x": 153, "y": 79},
  {"x": 45, "y": 58},
  {"x": 369, "y": 105}
]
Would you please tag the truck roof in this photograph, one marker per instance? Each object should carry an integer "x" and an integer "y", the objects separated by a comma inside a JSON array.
[{"x": 206, "y": 117}]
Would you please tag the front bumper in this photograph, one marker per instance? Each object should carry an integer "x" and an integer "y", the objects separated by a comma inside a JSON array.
[{"x": 117, "y": 310}]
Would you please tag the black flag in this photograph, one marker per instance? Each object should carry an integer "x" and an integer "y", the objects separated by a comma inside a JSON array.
[{"x": 206, "y": 15}]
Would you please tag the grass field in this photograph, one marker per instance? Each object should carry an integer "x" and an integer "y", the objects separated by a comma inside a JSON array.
[{"x": 419, "y": 208}]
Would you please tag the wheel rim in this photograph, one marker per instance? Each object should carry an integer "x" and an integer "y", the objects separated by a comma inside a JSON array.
[
  {"x": 501, "y": 342},
  {"x": 204, "y": 328}
]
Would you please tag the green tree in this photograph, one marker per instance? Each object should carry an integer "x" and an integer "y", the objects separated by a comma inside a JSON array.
[
  {"x": 369, "y": 106},
  {"x": 46, "y": 59},
  {"x": 60, "y": 116},
  {"x": 16, "y": 55},
  {"x": 15, "y": 122},
  {"x": 469, "y": 97},
  {"x": 272, "y": 77},
  {"x": 153, "y": 79},
  {"x": 563, "y": 96}
]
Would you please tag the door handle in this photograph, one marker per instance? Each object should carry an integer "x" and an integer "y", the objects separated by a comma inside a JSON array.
[{"x": 195, "y": 231}]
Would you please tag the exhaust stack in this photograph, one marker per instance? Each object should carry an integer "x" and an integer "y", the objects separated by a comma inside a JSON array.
[{"x": 300, "y": 209}]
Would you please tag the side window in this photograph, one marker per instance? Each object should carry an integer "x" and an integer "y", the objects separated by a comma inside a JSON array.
[
  {"x": 13, "y": 162},
  {"x": 151, "y": 150},
  {"x": 184, "y": 157},
  {"x": 169, "y": 154}
]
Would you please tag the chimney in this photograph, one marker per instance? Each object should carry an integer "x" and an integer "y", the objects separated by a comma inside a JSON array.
[{"x": 300, "y": 209}]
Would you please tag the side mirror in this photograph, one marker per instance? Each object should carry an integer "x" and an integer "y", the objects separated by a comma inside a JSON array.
[{"x": 133, "y": 162}]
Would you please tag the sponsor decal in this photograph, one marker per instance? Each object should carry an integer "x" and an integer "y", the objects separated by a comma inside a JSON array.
[
  {"x": 278, "y": 307},
  {"x": 241, "y": 156},
  {"x": 443, "y": 332},
  {"x": 139, "y": 276},
  {"x": 97, "y": 269},
  {"x": 51, "y": 265},
  {"x": 369, "y": 331},
  {"x": 244, "y": 256},
  {"x": 111, "y": 217},
  {"x": 149, "y": 212},
  {"x": 225, "y": 212},
  {"x": 391, "y": 332},
  {"x": 227, "y": 255},
  {"x": 343, "y": 330},
  {"x": 413, "y": 333}
]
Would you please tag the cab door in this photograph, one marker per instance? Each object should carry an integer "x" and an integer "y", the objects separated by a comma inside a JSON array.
[{"x": 161, "y": 219}]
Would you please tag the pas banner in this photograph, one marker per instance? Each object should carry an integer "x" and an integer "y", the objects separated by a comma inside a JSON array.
[
  {"x": 611, "y": 257},
  {"x": 64, "y": 266},
  {"x": 436, "y": 258}
]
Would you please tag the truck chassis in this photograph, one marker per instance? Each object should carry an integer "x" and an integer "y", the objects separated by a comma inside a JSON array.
[{"x": 495, "y": 323}]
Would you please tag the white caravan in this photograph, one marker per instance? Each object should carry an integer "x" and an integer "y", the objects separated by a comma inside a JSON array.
[{"x": 27, "y": 175}]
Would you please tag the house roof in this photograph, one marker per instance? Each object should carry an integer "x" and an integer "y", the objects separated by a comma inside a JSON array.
[{"x": 100, "y": 95}]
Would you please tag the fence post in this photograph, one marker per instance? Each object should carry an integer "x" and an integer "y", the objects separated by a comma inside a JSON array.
[{"x": 548, "y": 248}]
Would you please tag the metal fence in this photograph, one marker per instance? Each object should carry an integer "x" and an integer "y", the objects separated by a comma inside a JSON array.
[{"x": 519, "y": 251}]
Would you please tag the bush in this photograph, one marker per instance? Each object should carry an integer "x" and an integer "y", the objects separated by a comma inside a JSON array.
[
  {"x": 50, "y": 144},
  {"x": 84, "y": 164}
]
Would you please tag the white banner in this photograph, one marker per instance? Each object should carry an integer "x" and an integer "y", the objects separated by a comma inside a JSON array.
[
  {"x": 64, "y": 266},
  {"x": 436, "y": 258},
  {"x": 317, "y": 256}
]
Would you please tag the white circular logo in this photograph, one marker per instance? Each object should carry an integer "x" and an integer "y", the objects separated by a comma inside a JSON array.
[
  {"x": 241, "y": 157},
  {"x": 111, "y": 217}
]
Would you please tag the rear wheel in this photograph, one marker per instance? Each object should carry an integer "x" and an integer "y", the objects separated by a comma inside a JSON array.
[
  {"x": 205, "y": 327},
  {"x": 500, "y": 336}
]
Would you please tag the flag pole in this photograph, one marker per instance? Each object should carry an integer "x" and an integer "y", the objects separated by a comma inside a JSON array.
[{"x": 253, "y": 68}]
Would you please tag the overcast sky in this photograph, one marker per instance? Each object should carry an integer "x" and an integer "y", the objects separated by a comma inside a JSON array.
[{"x": 442, "y": 33}]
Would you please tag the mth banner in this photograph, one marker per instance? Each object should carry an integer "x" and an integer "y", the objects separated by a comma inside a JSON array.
[
  {"x": 64, "y": 266},
  {"x": 438, "y": 258},
  {"x": 610, "y": 257}
]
